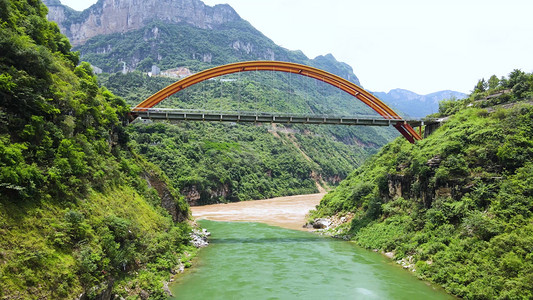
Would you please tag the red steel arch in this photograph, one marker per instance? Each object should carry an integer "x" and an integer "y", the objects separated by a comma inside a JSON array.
[{"x": 370, "y": 100}]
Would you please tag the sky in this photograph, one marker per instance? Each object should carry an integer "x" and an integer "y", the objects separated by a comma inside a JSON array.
[{"x": 419, "y": 45}]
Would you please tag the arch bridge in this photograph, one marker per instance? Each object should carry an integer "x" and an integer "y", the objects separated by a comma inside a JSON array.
[{"x": 146, "y": 109}]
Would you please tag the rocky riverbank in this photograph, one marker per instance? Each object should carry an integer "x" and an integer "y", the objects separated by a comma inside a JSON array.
[
  {"x": 199, "y": 238},
  {"x": 336, "y": 226}
]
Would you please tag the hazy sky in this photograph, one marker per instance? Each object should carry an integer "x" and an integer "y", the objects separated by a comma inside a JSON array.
[{"x": 420, "y": 45}]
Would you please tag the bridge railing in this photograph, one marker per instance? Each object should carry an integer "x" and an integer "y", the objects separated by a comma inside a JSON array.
[
  {"x": 281, "y": 114},
  {"x": 273, "y": 117}
]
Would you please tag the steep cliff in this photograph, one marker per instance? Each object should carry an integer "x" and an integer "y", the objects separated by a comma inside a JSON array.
[{"x": 119, "y": 16}]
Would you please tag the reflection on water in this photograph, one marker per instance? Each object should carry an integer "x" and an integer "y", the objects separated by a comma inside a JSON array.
[
  {"x": 257, "y": 261},
  {"x": 271, "y": 240}
]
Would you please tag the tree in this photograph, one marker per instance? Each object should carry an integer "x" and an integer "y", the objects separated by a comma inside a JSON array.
[
  {"x": 494, "y": 82},
  {"x": 481, "y": 86},
  {"x": 518, "y": 81},
  {"x": 515, "y": 77}
]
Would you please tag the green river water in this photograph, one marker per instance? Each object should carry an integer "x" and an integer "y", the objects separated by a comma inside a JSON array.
[{"x": 258, "y": 261}]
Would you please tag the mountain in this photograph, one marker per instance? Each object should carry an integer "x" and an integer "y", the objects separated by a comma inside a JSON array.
[
  {"x": 457, "y": 207},
  {"x": 415, "y": 105},
  {"x": 134, "y": 35}
]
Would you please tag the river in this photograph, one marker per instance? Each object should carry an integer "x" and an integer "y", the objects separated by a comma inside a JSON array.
[{"x": 250, "y": 260}]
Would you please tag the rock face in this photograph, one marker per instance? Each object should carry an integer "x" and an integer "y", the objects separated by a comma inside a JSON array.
[
  {"x": 168, "y": 200},
  {"x": 112, "y": 16},
  {"x": 409, "y": 187},
  {"x": 195, "y": 196}
]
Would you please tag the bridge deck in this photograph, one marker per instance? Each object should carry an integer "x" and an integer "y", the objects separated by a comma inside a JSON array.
[{"x": 258, "y": 117}]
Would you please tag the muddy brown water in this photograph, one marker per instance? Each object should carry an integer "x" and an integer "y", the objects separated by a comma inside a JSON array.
[{"x": 287, "y": 212}]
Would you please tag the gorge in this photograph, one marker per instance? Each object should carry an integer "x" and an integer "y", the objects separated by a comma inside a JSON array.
[{"x": 93, "y": 207}]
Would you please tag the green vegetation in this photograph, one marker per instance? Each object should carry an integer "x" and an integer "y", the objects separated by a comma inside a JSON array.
[
  {"x": 77, "y": 214},
  {"x": 81, "y": 209},
  {"x": 220, "y": 162},
  {"x": 457, "y": 207},
  {"x": 486, "y": 94}
]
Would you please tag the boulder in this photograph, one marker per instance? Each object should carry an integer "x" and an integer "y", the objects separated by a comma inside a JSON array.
[{"x": 321, "y": 223}]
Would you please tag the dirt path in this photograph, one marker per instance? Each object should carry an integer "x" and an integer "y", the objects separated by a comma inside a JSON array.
[{"x": 288, "y": 212}]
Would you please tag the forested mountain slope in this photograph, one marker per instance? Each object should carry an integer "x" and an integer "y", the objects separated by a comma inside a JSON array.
[
  {"x": 457, "y": 207},
  {"x": 78, "y": 214}
]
